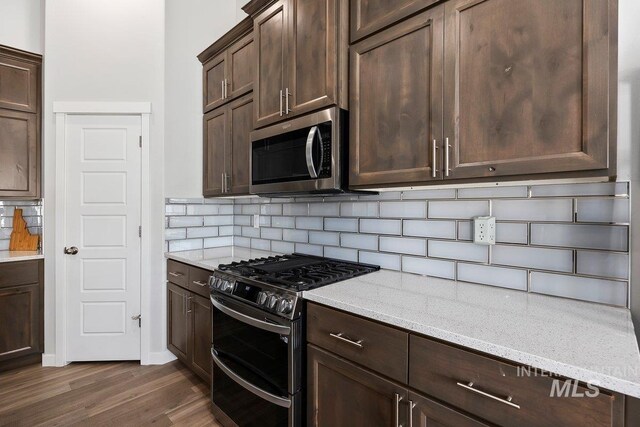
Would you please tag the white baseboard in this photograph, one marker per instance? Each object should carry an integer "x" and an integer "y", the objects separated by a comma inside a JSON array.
[
  {"x": 161, "y": 357},
  {"x": 49, "y": 360}
]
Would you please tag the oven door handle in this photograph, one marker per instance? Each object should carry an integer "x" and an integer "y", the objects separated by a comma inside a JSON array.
[
  {"x": 269, "y": 397},
  {"x": 261, "y": 324},
  {"x": 309, "y": 151}
]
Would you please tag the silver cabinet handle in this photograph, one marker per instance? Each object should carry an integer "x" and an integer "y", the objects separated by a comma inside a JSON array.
[
  {"x": 507, "y": 401},
  {"x": 411, "y": 406},
  {"x": 226, "y": 89},
  {"x": 341, "y": 337},
  {"x": 309, "y": 151},
  {"x": 434, "y": 164},
  {"x": 446, "y": 156},
  {"x": 222, "y": 88},
  {"x": 199, "y": 283},
  {"x": 286, "y": 98},
  {"x": 172, "y": 274},
  {"x": 188, "y": 304},
  {"x": 269, "y": 397},
  {"x": 280, "y": 102},
  {"x": 261, "y": 324},
  {"x": 227, "y": 182},
  {"x": 222, "y": 184},
  {"x": 396, "y": 408}
]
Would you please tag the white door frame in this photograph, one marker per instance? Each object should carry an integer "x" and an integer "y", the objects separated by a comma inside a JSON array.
[{"x": 61, "y": 111}]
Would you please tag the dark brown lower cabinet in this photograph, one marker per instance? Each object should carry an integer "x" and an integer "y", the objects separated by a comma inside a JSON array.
[
  {"x": 189, "y": 317},
  {"x": 343, "y": 394},
  {"x": 21, "y": 317}
]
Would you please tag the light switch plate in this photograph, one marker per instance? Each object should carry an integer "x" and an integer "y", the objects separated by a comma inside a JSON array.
[{"x": 484, "y": 230}]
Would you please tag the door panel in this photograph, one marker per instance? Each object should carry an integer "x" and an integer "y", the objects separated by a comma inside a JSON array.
[
  {"x": 201, "y": 336},
  {"x": 20, "y": 320},
  {"x": 270, "y": 37},
  {"x": 428, "y": 413},
  {"x": 241, "y": 124},
  {"x": 19, "y": 88},
  {"x": 241, "y": 58},
  {"x": 102, "y": 219},
  {"x": 312, "y": 55},
  {"x": 215, "y": 136},
  {"x": 517, "y": 97},
  {"x": 19, "y": 162},
  {"x": 396, "y": 102},
  {"x": 177, "y": 324},
  {"x": 214, "y": 75}
]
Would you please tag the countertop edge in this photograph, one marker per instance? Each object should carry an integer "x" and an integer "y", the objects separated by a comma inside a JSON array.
[
  {"x": 576, "y": 372},
  {"x": 21, "y": 258}
]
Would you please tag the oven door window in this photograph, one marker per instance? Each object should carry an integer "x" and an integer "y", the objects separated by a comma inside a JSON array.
[{"x": 258, "y": 356}]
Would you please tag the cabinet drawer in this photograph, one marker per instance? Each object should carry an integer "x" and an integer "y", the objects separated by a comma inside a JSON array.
[
  {"x": 370, "y": 344},
  {"x": 482, "y": 386},
  {"x": 178, "y": 273},
  {"x": 19, "y": 273},
  {"x": 199, "y": 281}
]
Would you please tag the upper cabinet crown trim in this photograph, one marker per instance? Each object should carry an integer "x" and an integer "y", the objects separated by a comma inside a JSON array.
[
  {"x": 19, "y": 53},
  {"x": 255, "y": 6},
  {"x": 244, "y": 27}
]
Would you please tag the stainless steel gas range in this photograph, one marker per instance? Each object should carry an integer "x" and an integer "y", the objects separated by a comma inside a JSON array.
[{"x": 258, "y": 349}]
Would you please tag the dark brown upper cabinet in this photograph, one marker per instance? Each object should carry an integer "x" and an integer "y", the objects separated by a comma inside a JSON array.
[
  {"x": 302, "y": 58},
  {"x": 518, "y": 88},
  {"x": 396, "y": 99},
  {"x": 228, "y": 67},
  {"x": 20, "y": 134},
  {"x": 226, "y": 148}
]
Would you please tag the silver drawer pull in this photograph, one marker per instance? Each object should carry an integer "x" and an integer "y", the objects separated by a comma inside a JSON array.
[
  {"x": 199, "y": 283},
  {"x": 171, "y": 273},
  {"x": 507, "y": 401},
  {"x": 347, "y": 340}
]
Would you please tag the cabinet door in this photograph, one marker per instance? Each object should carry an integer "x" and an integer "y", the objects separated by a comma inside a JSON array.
[
  {"x": 20, "y": 320},
  {"x": 177, "y": 324},
  {"x": 19, "y": 161},
  {"x": 19, "y": 84},
  {"x": 340, "y": 393},
  {"x": 241, "y": 61},
  {"x": 426, "y": 413},
  {"x": 270, "y": 38},
  {"x": 396, "y": 103},
  {"x": 215, "y": 137},
  {"x": 527, "y": 86},
  {"x": 200, "y": 336},
  {"x": 240, "y": 126},
  {"x": 312, "y": 57},
  {"x": 214, "y": 74}
]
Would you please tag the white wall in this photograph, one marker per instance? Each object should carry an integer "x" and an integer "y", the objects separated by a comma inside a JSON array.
[
  {"x": 105, "y": 50},
  {"x": 240, "y": 15},
  {"x": 191, "y": 26},
  {"x": 22, "y": 24}
]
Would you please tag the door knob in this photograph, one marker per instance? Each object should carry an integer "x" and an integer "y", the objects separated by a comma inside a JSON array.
[{"x": 71, "y": 251}]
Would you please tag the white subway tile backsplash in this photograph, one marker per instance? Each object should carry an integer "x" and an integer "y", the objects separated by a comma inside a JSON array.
[
  {"x": 494, "y": 276},
  {"x": 426, "y": 228},
  {"x": 537, "y": 258},
  {"x": 202, "y": 232},
  {"x": 309, "y": 223},
  {"x": 282, "y": 247},
  {"x": 458, "y": 250},
  {"x": 295, "y": 209},
  {"x": 512, "y": 232},
  {"x": 592, "y": 189},
  {"x": 341, "y": 253},
  {"x": 381, "y": 226},
  {"x": 324, "y": 209},
  {"x": 293, "y": 235},
  {"x": 492, "y": 192},
  {"x": 604, "y": 264},
  {"x": 283, "y": 221},
  {"x": 172, "y": 210},
  {"x": 185, "y": 245},
  {"x": 388, "y": 261},
  {"x": 169, "y": 233},
  {"x": 185, "y": 221},
  {"x": 244, "y": 242},
  {"x": 362, "y": 209},
  {"x": 324, "y": 238},
  {"x": 403, "y": 209},
  {"x": 270, "y": 209},
  {"x": 250, "y": 232},
  {"x": 359, "y": 241},
  {"x": 219, "y": 220},
  {"x": 583, "y": 288},
  {"x": 429, "y": 267},
  {"x": 304, "y": 248},
  {"x": 603, "y": 210},
  {"x": 403, "y": 245},
  {"x": 607, "y": 237},
  {"x": 218, "y": 242},
  {"x": 242, "y": 220},
  {"x": 225, "y": 210},
  {"x": 261, "y": 244},
  {"x": 458, "y": 209},
  {"x": 271, "y": 233},
  {"x": 341, "y": 224},
  {"x": 202, "y": 210},
  {"x": 250, "y": 209},
  {"x": 227, "y": 230},
  {"x": 533, "y": 210},
  {"x": 440, "y": 193}
]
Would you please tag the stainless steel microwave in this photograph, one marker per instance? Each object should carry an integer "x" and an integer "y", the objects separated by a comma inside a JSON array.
[{"x": 304, "y": 155}]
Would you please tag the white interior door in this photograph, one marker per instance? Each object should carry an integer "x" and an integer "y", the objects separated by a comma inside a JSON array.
[{"x": 102, "y": 174}]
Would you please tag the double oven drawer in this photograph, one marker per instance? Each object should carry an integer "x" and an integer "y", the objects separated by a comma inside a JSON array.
[
  {"x": 501, "y": 392},
  {"x": 378, "y": 347}
]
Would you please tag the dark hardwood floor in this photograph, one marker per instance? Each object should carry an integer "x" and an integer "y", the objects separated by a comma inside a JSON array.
[{"x": 104, "y": 394}]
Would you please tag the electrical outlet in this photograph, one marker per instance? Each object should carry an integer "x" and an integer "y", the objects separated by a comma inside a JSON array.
[
  {"x": 484, "y": 230},
  {"x": 256, "y": 221}
]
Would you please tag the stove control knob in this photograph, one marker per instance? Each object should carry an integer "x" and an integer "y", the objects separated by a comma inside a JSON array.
[
  {"x": 262, "y": 298},
  {"x": 273, "y": 301},
  {"x": 226, "y": 286},
  {"x": 215, "y": 282},
  {"x": 285, "y": 306}
]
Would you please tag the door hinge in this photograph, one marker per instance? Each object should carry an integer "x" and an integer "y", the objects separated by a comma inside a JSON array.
[
  {"x": 139, "y": 231},
  {"x": 139, "y": 319},
  {"x": 140, "y": 141}
]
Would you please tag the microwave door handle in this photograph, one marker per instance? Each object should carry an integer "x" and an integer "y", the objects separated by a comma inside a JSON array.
[{"x": 309, "y": 152}]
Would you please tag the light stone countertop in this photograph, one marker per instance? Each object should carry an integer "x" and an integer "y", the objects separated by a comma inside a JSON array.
[
  {"x": 585, "y": 341},
  {"x": 209, "y": 259},
  {"x": 11, "y": 256}
]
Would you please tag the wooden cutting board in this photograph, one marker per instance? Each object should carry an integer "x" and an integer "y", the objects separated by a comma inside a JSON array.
[{"x": 21, "y": 238}]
